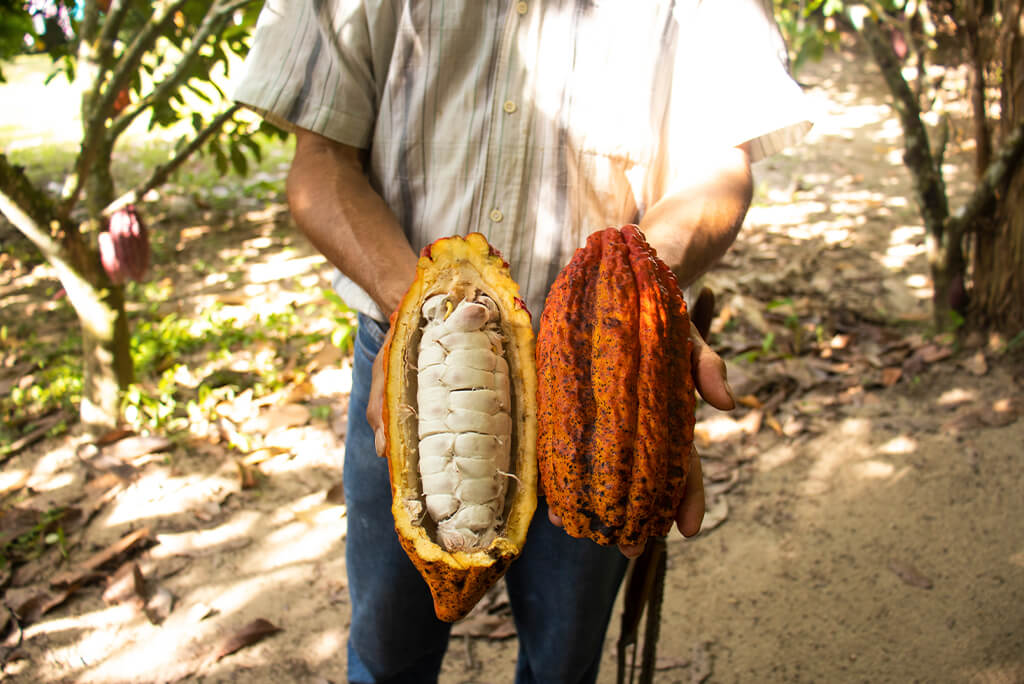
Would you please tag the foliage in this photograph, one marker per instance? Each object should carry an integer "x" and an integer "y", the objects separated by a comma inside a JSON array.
[
  {"x": 183, "y": 364},
  {"x": 135, "y": 63},
  {"x": 808, "y": 27}
]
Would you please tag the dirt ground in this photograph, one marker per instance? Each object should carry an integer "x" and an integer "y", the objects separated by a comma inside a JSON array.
[{"x": 865, "y": 518}]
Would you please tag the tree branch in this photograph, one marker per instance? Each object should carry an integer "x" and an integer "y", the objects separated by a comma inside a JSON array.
[
  {"x": 163, "y": 172},
  {"x": 116, "y": 14},
  {"x": 927, "y": 177},
  {"x": 28, "y": 209},
  {"x": 1007, "y": 159},
  {"x": 213, "y": 22},
  {"x": 101, "y": 100}
]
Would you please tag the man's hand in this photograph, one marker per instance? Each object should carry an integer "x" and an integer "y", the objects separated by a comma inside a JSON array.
[{"x": 375, "y": 404}]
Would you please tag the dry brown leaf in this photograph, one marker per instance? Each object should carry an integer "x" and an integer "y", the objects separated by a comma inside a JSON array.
[
  {"x": 113, "y": 436},
  {"x": 248, "y": 476},
  {"x": 131, "y": 448},
  {"x": 253, "y": 632},
  {"x": 159, "y": 605},
  {"x": 931, "y": 353},
  {"x": 263, "y": 454},
  {"x": 891, "y": 375},
  {"x": 976, "y": 365},
  {"x": 40, "y": 603},
  {"x": 126, "y": 584},
  {"x": 86, "y": 570},
  {"x": 749, "y": 400}
]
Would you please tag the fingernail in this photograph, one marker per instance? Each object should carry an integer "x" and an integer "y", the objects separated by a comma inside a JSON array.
[{"x": 732, "y": 395}]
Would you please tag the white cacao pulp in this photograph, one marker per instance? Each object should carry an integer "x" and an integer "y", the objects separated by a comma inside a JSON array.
[{"x": 465, "y": 425}]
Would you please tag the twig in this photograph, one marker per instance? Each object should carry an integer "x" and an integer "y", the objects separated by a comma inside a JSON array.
[{"x": 162, "y": 172}]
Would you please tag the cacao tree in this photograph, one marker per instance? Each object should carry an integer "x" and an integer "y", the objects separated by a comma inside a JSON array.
[
  {"x": 130, "y": 60},
  {"x": 975, "y": 250}
]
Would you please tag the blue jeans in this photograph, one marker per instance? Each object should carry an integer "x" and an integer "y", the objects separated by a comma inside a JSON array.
[{"x": 561, "y": 589}]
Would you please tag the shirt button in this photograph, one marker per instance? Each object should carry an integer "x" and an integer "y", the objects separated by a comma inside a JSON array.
[
  {"x": 496, "y": 215},
  {"x": 509, "y": 106},
  {"x": 521, "y": 7}
]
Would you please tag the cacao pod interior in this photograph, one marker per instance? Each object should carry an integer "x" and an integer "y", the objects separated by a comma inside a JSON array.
[{"x": 460, "y": 267}]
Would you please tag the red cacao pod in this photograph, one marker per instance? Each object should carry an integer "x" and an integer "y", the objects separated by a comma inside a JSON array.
[
  {"x": 615, "y": 398},
  {"x": 124, "y": 248}
]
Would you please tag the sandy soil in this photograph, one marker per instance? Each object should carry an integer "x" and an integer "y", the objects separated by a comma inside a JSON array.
[{"x": 865, "y": 521}]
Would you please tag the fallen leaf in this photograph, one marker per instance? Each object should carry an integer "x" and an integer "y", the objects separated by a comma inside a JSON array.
[
  {"x": 112, "y": 436},
  {"x": 933, "y": 353},
  {"x": 248, "y": 476},
  {"x": 749, "y": 400},
  {"x": 131, "y": 448},
  {"x": 891, "y": 375},
  {"x": 263, "y": 454},
  {"x": 126, "y": 584},
  {"x": 910, "y": 575},
  {"x": 159, "y": 605},
  {"x": 976, "y": 365},
  {"x": 86, "y": 570},
  {"x": 40, "y": 603},
  {"x": 253, "y": 632}
]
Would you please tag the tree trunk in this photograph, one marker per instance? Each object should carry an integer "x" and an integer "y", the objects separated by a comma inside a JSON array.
[
  {"x": 107, "y": 368},
  {"x": 106, "y": 364},
  {"x": 998, "y": 290}
]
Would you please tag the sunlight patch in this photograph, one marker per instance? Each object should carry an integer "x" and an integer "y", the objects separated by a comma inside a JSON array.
[
  {"x": 899, "y": 445},
  {"x": 956, "y": 396},
  {"x": 874, "y": 470}
]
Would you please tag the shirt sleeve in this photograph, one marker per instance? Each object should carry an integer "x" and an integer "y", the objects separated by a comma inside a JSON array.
[
  {"x": 731, "y": 82},
  {"x": 312, "y": 66}
]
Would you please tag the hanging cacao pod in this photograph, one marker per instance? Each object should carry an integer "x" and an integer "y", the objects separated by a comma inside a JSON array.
[
  {"x": 615, "y": 398},
  {"x": 124, "y": 246},
  {"x": 460, "y": 421}
]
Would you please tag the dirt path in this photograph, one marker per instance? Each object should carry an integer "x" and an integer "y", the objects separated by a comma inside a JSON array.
[{"x": 865, "y": 520}]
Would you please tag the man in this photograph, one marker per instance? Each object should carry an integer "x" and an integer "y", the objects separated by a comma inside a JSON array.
[{"x": 536, "y": 123}]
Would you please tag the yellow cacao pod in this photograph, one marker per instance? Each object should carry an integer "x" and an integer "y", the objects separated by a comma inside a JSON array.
[{"x": 460, "y": 421}]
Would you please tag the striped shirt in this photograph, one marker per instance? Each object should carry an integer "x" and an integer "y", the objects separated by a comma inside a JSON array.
[{"x": 533, "y": 122}]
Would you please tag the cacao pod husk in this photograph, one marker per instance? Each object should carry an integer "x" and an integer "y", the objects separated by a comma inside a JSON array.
[
  {"x": 109, "y": 257},
  {"x": 615, "y": 396},
  {"x": 461, "y": 512}
]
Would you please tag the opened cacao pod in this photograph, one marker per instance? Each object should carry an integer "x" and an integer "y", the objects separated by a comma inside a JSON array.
[
  {"x": 460, "y": 420},
  {"x": 615, "y": 398}
]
